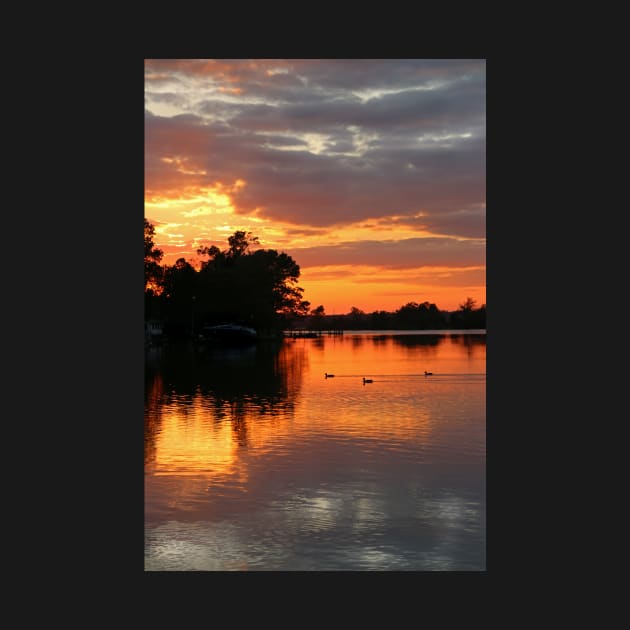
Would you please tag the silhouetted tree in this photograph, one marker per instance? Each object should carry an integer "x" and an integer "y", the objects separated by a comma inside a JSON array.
[
  {"x": 317, "y": 317},
  {"x": 153, "y": 273},
  {"x": 468, "y": 305},
  {"x": 356, "y": 318},
  {"x": 240, "y": 242},
  {"x": 258, "y": 288},
  {"x": 469, "y": 317},
  {"x": 381, "y": 320},
  {"x": 152, "y": 258},
  {"x": 180, "y": 289},
  {"x": 407, "y": 316}
]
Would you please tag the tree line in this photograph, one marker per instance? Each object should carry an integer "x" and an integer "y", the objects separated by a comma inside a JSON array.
[
  {"x": 256, "y": 287},
  {"x": 411, "y": 316}
]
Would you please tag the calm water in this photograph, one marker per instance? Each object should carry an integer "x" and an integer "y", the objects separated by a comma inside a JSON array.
[{"x": 255, "y": 461}]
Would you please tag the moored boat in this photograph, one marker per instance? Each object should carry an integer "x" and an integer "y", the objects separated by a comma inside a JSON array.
[{"x": 230, "y": 334}]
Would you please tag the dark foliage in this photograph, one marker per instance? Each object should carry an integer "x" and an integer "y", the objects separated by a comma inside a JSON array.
[
  {"x": 258, "y": 287},
  {"x": 236, "y": 285}
]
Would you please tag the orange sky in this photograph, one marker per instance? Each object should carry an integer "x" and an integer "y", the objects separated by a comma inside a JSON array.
[{"x": 369, "y": 173}]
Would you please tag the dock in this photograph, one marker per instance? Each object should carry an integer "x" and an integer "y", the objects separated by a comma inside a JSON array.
[{"x": 301, "y": 333}]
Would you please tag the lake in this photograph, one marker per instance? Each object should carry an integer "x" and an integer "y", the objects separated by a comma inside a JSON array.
[{"x": 255, "y": 461}]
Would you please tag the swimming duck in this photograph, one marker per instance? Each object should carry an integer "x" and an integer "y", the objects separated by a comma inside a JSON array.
[
  {"x": 367, "y": 380},
  {"x": 326, "y": 375},
  {"x": 428, "y": 373}
]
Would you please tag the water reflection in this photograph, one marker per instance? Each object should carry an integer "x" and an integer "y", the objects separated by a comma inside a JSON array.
[
  {"x": 260, "y": 371},
  {"x": 217, "y": 385},
  {"x": 472, "y": 343},
  {"x": 418, "y": 341},
  {"x": 347, "y": 526},
  {"x": 255, "y": 461},
  {"x": 356, "y": 341}
]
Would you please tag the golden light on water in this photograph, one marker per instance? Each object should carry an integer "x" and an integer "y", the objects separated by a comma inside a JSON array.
[
  {"x": 217, "y": 436},
  {"x": 255, "y": 460},
  {"x": 192, "y": 446}
]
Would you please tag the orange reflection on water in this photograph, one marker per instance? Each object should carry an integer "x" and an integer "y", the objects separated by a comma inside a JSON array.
[
  {"x": 381, "y": 355},
  {"x": 255, "y": 460},
  {"x": 192, "y": 444},
  {"x": 216, "y": 433}
]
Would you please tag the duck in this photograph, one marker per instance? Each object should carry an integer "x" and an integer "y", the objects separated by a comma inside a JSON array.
[
  {"x": 326, "y": 375},
  {"x": 428, "y": 373},
  {"x": 367, "y": 380}
]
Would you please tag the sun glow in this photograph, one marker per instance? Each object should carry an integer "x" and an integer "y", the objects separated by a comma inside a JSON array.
[
  {"x": 340, "y": 287},
  {"x": 205, "y": 216}
]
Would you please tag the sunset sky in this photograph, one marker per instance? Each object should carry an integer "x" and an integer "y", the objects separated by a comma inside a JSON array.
[{"x": 369, "y": 173}]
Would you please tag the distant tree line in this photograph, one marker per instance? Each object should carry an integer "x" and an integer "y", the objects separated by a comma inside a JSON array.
[
  {"x": 411, "y": 316},
  {"x": 258, "y": 287}
]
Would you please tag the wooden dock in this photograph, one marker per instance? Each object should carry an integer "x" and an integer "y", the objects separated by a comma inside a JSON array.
[{"x": 301, "y": 333}]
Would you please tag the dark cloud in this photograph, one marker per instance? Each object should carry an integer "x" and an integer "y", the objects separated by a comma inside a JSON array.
[
  {"x": 306, "y": 232},
  {"x": 367, "y": 139},
  {"x": 314, "y": 74},
  {"x": 284, "y": 141},
  {"x": 456, "y": 105},
  {"x": 412, "y": 252},
  {"x": 359, "y": 74},
  {"x": 464, "y": 223},
  {"x": 340, "y": 146},
  {"x": 166, "y": 97}
]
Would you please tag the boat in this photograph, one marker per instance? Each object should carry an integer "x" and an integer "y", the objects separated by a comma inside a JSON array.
[
  {"x": 229, "y": 334},
  {"x": 153, "y": 331}
]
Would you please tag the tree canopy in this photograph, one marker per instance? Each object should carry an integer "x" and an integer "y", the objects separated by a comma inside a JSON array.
[
  {"x": 241, "y": 284},
  {"x": 152, "y": 259}
]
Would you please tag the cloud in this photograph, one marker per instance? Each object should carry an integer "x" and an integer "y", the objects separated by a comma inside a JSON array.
[
  {"x": 464, "y": 223},
  {"x": 407, "y": 253},
  {"x": 338, "y": 75},
  {"x": 396, "y": 277},
  {"x": 438, "y": 109},
  {"x": 324, "y": 143}
]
